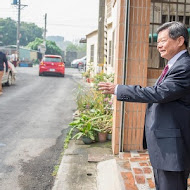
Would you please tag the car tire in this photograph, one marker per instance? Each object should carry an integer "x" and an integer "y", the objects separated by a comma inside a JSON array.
[
  {"x": 40, "y": 74},
  {"x": 9, "y": 80}
]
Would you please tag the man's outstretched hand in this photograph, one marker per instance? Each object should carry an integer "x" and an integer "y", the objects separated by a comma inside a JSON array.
[{"x": 107, "y": 87}]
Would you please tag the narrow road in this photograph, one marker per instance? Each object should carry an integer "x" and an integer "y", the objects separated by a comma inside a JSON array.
[{"x": 34, "y": 117}]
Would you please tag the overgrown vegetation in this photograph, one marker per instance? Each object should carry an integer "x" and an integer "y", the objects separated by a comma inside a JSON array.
[{"x": 95, "y": 110}]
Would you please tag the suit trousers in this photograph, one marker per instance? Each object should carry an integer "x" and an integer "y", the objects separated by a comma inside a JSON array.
[
  {"x": 170, "y": 180},
  {"x": 1, "y": 76}
]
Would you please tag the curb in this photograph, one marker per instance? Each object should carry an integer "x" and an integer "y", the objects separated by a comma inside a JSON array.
[{"x": 108, "y": 176}]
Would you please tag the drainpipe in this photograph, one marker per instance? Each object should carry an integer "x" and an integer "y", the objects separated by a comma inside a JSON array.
[{"x": 126, "y": 32}]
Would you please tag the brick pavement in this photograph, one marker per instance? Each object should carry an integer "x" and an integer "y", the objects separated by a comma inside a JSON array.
[{"x": 136, "y": 170}]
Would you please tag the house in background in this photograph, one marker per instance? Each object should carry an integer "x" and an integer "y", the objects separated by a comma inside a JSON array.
[
  {"x": 130, "y": 53},
  {"x": 91, "y": 51},
  {"x": 109, "y": 36}
]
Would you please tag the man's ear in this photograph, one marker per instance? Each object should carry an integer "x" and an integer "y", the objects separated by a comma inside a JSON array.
[{"x": 181, "y": 40}]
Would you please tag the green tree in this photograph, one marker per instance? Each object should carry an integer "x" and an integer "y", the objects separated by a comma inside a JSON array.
[
  {"x": 28, "y": 32},
  {"x": 51, "y": 47},
  {"x": 8, "y": 31},
  {"x": 76, "y": 47},
  {"x": 72, "y": 47}
]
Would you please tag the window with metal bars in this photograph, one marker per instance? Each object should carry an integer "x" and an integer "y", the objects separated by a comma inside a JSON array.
[{"x": 165, "y": 11}]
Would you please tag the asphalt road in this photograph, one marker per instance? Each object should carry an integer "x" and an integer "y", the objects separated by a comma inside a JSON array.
[{"x": 34, "y": 117}]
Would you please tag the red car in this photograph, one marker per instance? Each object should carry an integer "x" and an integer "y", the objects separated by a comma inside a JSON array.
[{"x": 53, "y": 65}]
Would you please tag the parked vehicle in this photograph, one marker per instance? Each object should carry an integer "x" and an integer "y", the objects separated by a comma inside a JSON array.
[
  {"x": 9, "y": 77},
  {"x": 79, "y": 63},
  {"x": 52, "y": 65}
]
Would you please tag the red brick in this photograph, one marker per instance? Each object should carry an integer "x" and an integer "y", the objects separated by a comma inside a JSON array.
[
  {"x": 151, "y": 183},
  {"x": 137, "y": 170},
  {"x": 129, "y": 181},
  {"x": 147, "y": 170},
  {"x": 125, "y": 155},
  {"x": 137, "y": 159},
  {"x": 140, "y": 179},
  {"x": 144, "y": 155},
  {"x": 143, "y": 164}
]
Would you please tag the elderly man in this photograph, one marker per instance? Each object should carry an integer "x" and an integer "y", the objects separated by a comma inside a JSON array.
[{"x": 167, "y": 121}]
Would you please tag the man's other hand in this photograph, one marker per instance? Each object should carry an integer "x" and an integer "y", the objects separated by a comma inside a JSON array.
[{"x": 107, "y": 87}]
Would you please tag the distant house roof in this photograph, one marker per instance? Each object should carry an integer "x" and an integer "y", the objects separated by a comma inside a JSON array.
[{"x": 91, "y": 33}]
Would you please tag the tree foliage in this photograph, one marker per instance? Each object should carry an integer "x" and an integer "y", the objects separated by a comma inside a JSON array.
[
  {"x": 51, "y": 47},
  {"x": 28, "y": 32},
  {"x": 76, "y": 48},
  {"x": 8, "y": 31}
]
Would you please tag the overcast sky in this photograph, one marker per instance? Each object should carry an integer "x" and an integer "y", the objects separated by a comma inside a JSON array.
[{"x": 71, "y": 19}]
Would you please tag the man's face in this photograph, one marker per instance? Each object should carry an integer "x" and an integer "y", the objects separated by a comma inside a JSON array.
[{"x": 166, "y": 46}]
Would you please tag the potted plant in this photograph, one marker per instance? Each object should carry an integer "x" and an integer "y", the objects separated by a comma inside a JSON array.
[
  {"x": 104, "y": 124},
  {"x": 85, "y": 129},
  {"x": 109, "y": 135}
]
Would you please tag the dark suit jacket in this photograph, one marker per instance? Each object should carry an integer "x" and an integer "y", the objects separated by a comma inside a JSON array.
[
  {"x": 167, "y": 121},
  {"x": 3, "y": 60}
]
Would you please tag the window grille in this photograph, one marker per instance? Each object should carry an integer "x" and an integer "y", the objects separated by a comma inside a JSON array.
[{"x": 165, "y": 11}]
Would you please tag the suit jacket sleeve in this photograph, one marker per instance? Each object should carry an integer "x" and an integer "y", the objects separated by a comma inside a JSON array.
[
  {"x": 5, "y": 61},
  {"x": 175, "y": 85}
]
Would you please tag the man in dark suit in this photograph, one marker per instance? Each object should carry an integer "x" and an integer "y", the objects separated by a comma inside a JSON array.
[
  {"x": 167, "y": 121},
  {"x": 3, "y": 60}
]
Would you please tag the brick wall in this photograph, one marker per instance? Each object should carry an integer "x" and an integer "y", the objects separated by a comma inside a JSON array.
[{"x": 137, "y": 63}]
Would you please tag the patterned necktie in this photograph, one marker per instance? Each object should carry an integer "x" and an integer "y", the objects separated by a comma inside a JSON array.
[{"x": 163, "y": 73}]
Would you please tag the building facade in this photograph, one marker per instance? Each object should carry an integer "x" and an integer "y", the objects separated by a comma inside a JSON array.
[{"x": 130, "y": 53}]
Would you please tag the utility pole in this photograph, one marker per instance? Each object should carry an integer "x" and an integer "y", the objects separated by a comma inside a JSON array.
[
  {"x": 43, "y": 46},
  {"x": 18, "y": 4},
  {"x": 45, "y": 30},
  {"x": 101, "y": 19},
  {"x": 18, "y": 31}
]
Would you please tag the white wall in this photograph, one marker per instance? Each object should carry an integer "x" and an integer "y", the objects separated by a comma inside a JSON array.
[{"x": 92, "y": 39}]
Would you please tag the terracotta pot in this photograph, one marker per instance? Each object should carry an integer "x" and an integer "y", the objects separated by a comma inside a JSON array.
[
  {"x": 102, "y": 137},
  {"x": 88, "y": 80}
]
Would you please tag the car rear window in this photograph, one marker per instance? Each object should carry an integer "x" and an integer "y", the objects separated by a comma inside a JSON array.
[{"x": 52, "y": 59}]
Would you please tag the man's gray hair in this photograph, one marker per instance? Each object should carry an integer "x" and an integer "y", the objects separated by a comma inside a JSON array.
[{"x": 176, "y": 29}]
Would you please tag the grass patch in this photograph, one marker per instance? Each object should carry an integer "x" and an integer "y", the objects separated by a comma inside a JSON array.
[
  {"x": 66, "y": 143},
  {"x": 56, "y": 168}
]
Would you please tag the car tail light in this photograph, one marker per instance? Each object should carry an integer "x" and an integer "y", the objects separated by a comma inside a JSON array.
[
  {"x": 42, "y": 63},
  {"x": 61, "y": 65},
  {"x": 80, "y": 63}
]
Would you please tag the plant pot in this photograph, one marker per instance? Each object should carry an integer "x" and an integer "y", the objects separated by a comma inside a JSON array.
[
  {"x": 88, "y": 80},
  {"x": 109, "y": 136},
  {"x": 102, "y": 137},
  {"x": 86, "y": 140}
]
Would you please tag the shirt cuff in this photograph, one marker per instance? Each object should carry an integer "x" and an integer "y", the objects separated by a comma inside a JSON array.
[{"x": 115, "y": 91}]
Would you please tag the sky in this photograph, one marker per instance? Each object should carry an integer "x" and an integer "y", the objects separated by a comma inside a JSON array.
[{"x": 72, "y": 19}]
